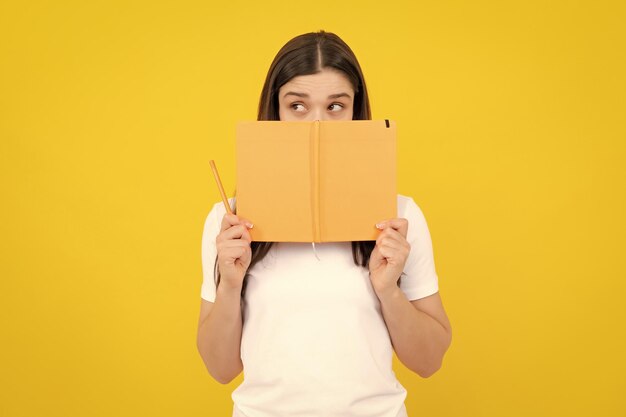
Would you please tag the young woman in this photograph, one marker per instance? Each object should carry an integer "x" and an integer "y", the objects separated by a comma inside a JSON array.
[{"x": 314, "y": 333}]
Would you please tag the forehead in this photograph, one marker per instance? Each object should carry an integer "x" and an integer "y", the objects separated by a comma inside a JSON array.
[{"x": 321, "y": 84}]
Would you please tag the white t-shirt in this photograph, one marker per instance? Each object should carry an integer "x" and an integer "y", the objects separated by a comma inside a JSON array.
[{"x": 314, "y": 340}]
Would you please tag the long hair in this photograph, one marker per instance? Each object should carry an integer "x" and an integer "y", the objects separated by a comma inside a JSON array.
[{"x": 305, "y": 55}]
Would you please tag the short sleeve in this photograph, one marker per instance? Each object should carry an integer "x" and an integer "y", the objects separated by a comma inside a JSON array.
[
  {"x": 212, "y": 226},
  {"x": 420, "y": 278}
]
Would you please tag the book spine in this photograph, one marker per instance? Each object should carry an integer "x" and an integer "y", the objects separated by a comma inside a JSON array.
[{"x": 315, "y": 180}]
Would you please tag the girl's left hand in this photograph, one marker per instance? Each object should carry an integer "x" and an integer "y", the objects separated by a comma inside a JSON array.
[{"x": 389, "y": 255}]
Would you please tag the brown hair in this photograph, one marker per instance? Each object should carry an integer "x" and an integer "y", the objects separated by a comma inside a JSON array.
[{"x": 305, "y": 55}]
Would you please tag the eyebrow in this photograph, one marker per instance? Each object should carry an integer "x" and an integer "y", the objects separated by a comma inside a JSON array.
[{"x": 304, "y": 95}]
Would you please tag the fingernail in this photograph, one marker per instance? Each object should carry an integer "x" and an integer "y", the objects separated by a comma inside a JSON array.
[
  {"x": 250, "y": 225},
  {"x": 379, "y": 225}
]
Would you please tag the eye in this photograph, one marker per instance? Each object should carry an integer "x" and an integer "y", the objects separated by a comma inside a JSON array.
[
  {"x": 294, "y": 106},
  {"x": 336, "y": 104}
]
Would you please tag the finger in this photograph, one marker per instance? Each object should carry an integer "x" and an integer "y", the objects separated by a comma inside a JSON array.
[
  {"x": 390, "y": 242},
  {"x": 230, "y": 220},
  {"x": 238, "y": 232},
  {"x": 233, "y": 249},
  {"x": 390, "y": 239},
  {"x": 396, "y": 248},
  {"x": 375, "y": 257},
  {"x": 228, "y": 245},
  {"x": 234, "y": 255},
  {"x": 395, "y": 254},
  {"x": 389, "y": 233},
  {"x": 399, "y": 224}
]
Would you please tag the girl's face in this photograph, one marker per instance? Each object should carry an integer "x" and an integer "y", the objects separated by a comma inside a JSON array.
[{"x": 327, "y": 95}]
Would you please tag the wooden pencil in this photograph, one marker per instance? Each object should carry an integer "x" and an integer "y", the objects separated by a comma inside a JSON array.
[{"x": 219, "y": 186}]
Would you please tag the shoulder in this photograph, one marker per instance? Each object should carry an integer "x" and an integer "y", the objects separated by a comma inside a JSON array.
[
  {"x": 410, "y": 210},
  {"x": 407, "y": 207}
]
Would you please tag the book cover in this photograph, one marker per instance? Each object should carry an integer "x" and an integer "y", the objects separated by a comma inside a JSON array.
[{"x": 316, "y": 181}]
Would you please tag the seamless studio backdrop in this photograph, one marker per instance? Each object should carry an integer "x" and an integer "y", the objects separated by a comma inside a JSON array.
[{"x": 511, "y": 139}]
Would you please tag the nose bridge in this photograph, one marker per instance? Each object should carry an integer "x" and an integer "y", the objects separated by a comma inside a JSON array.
[{"x": 318, "y": 113}]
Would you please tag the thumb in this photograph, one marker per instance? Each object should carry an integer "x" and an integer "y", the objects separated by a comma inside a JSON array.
[{"x": 375, "y": 258}]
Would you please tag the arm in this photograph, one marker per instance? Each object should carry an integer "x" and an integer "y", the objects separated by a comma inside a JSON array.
[
  {"x": 420, "y": 331},
  {"x": 221, "y": 322},
  {"x": 219, "y": 334}
]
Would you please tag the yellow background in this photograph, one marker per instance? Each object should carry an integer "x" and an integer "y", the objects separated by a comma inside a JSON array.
[{"x": 512, "y": 141}]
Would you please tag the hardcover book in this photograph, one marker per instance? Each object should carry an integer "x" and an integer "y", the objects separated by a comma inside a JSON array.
[{"x": 316, "y": 181}]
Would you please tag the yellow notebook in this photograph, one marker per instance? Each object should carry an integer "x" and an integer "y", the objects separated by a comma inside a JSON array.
[{"x": 316, "y": 181}]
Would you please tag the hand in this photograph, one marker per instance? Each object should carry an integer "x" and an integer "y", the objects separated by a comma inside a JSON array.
[
  {"x": 389, "y": 255},
  {"x": 233, "y": 250}
]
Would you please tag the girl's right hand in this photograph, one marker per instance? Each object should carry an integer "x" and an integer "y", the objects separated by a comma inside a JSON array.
[{"x": 233, "y": 250}]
